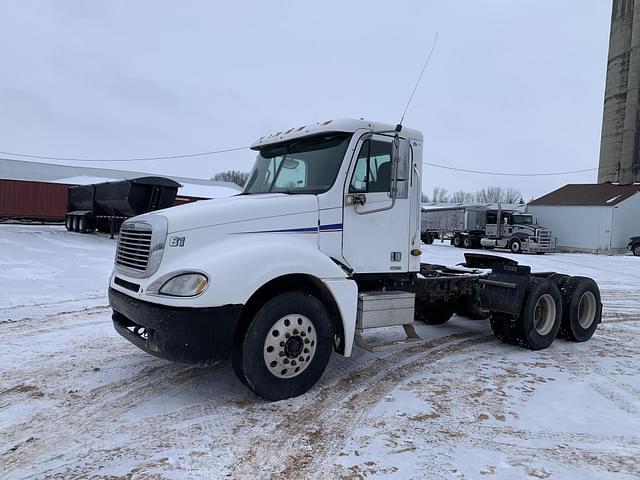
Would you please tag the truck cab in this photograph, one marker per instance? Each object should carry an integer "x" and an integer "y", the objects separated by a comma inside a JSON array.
[
  {"x": 516, "y": 231},
  {"x": 322, "y": 245},
  {"x": 324, "y": 204}
]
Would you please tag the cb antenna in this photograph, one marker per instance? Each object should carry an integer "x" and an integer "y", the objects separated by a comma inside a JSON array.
[{"x": 424, "y": 67}]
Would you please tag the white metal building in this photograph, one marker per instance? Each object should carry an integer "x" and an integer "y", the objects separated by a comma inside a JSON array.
[{"x": 595, "y": 218}]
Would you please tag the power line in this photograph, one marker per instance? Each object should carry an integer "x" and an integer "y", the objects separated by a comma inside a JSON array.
[
  {"x": 133, "y": 159},
  {"x": 235, "y": 149},
  {"x": 539, "y": 174}
]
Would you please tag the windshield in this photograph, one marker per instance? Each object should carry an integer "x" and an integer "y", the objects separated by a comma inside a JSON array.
[
  {"x": 309, "y": 165},
  {"x": 522, "y": 219}
]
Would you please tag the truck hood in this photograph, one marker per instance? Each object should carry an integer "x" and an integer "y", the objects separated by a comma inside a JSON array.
[{"x": 239, "y": 208}]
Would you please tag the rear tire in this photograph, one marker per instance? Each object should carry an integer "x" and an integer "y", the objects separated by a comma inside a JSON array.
[
  {"x": 435, "y": 313},
  {"x": 559, "y": 279},
  {"x": 457, "y": 241},
  {"x": 75, "y": 223},
  {"x": 82, "y": 225},
  {"x": 68, "y": 223},
  {"x": 539, "y": 321},
  {"x": 582, "y": 309},
  {"x": 467, "y": 242},
  {"x": 636, "y": 250},
  {"x": 465, "y": 310},
  {"x": 427, "y": 239},
  {"x": 286, "y": 347},
  {"x": 502, "y": 327}
]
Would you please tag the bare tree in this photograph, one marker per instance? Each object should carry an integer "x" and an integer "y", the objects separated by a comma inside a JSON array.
[
  {"x": 458, "y": 197},
  {"x": 235, "y": 176},
  {"x": 440, "y": 195},
  {"x": 511, "y": 195},
  {"x": 491, "y": 194}
]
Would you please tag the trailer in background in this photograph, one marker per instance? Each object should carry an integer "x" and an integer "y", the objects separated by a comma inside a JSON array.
[
  {"x": 22, "y": 200},
  {"x": 104, "y": 206},
  {"x": 476, "y": 226}
]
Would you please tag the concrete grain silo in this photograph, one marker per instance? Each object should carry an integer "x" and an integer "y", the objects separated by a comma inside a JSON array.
[{"x": 620, "y": 143}]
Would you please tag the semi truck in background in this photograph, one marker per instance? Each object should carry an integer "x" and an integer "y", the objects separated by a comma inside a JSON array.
[
  {"x": 321, "y": 248},
  {"x": 104, "y": 206},
  {"x": 476, "y": 226}
]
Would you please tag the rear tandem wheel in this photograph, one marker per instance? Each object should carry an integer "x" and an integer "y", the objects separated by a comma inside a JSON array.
[
  {"x": 539, "y": 321},
  {"x": 582, "y": 308}
]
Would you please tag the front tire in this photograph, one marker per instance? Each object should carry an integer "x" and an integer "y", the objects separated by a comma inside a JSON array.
[
  {"x": 515, "y": 246},
  {"x": 286, "y": 347},
  {"x": 636, "y": 250}
]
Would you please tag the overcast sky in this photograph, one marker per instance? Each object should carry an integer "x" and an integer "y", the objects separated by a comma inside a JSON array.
[{"x": 513, "y": 85}]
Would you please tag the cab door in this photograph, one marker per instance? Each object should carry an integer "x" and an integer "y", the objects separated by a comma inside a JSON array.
[{"x": 376, "y": 226}]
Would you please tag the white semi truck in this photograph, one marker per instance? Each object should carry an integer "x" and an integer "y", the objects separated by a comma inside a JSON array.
[{"x": 322, "y": 245}]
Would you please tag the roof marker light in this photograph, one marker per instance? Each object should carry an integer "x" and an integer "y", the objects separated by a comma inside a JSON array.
[{"x": 327, "y": 122}]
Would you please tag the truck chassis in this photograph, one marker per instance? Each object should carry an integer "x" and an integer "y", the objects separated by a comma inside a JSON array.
[{"x": 524, "y": 308}]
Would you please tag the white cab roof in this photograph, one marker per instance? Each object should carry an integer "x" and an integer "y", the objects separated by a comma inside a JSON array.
[{"x": 339, "y": 125}]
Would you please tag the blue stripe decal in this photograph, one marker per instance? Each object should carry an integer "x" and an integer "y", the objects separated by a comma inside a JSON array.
[{"x": 334, "y": 227}]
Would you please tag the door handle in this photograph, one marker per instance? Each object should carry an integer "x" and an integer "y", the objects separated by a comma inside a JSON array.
[{"x": 355, "y": 199}]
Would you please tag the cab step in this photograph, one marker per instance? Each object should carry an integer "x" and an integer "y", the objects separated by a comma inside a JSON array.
[
  {"x": 386, "y": 309},
  {"x": 412, "y": 339}
]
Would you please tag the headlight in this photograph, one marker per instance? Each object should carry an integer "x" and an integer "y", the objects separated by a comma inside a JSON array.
[{"x": 185, "y": 285}]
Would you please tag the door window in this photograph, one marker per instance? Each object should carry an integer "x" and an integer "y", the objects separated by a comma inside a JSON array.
[{"x": 373, "y": 168}]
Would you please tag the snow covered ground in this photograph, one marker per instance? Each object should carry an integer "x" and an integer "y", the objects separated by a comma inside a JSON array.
[{"x": 78, "y": 401}]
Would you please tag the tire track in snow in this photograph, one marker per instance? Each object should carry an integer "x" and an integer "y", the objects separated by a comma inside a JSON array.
[{"x": 327, "y": 420}]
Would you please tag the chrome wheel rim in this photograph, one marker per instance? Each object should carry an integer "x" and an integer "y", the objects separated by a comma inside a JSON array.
[
  {"x": 636, "y": 251},
  {"x": 290, "y": 346},
  {"x": 587, "y": 309},
  {"x": 544, "y": 314}
]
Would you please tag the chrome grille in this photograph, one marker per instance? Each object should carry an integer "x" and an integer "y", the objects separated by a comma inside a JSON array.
[
  {"x": 134, "y": 245},
  {"x": 545, "y": 240}
]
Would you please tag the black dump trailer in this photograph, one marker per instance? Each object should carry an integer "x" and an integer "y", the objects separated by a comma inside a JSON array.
[{"x": 104, "y": 206}]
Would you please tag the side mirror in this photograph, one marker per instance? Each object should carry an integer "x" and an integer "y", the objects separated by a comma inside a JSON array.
[{"x": 400, "y": 153}]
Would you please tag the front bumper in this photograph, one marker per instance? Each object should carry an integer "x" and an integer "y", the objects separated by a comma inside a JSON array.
[
  {"x": 537, "y": 247},
  {"x": 188, "y": 335}
]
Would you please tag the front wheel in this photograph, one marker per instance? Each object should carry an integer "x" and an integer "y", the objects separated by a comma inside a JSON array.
[
  {"x": 636, "y": 250},
  {"x": 515, "y": 246},
  {"x": 286, "y": 347}
]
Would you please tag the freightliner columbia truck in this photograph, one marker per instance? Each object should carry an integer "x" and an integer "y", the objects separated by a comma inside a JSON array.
[{"x": 322, "y": 246}]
